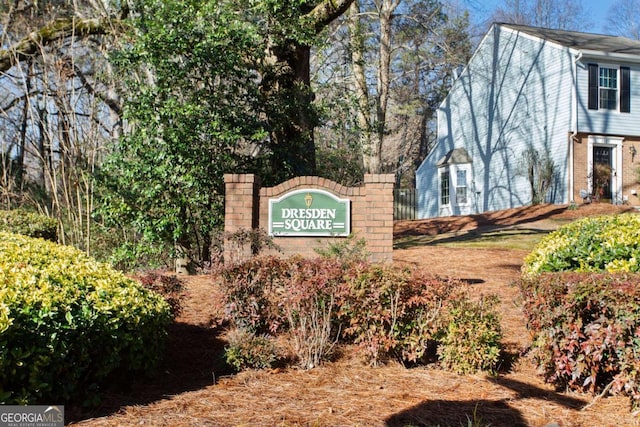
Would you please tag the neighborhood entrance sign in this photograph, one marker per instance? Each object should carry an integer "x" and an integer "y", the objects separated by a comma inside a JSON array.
[{"x": 309, "y": 212}]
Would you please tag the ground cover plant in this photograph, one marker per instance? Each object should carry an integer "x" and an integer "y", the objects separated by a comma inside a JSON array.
[{"x": 69, "y": 325}]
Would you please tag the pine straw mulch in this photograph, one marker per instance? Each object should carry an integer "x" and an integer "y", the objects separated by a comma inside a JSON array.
[{"x": 193, "y": 388}]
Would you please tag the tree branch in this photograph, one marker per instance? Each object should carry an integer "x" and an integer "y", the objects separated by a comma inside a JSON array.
[
  {"x": 55, "y": 30},
  {"x": 112, "y": 103},
  {"x": 326, "y": 12}
]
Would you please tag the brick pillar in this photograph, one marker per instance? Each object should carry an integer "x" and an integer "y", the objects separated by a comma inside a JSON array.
[
  {"x": 240, "y": 213},
  {"x": 378, "y": 204}
]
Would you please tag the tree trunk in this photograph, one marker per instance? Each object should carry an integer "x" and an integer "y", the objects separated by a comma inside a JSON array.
[
  {"x": 374, "y": 130},
  {"x": 288, "y": 98},
  {"x": 286, "y": 89},
  {"x": 184, "y": 266},
  {"x": 360, "y": 83},
  {"x": 384, "y": 81}
]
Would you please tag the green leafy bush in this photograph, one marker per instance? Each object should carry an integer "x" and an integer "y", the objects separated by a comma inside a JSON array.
[
  {"x": 68, "y": 325},
  {"x": 246, "y": 350},
  {"x": 604, "y": 243},
  {"x": 345, "y": 249},
  {"x": 586, "y": 330},
  {"x": 470, "y": 341},
  {"x": 29, "y": 224}
]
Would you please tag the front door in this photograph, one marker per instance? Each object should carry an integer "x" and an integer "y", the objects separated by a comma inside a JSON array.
[{"x": 602, "y": 172}]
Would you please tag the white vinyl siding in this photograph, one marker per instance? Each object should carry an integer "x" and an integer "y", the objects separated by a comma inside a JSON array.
[
  {"x": 514, "y": 94},
  {"x": 625, "y": 118}
]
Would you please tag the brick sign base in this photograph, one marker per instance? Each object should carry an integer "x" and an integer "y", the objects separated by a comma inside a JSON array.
[{"x": 371, "y": 216}]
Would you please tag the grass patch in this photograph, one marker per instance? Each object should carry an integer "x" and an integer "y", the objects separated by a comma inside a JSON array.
[{"x": 496, "y": 238}]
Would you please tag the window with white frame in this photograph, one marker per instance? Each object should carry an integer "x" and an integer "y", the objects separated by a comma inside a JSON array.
[
  {"x": 609, "y": 88},
  {"x": 461, "y": 187},
  {"x": 444, "y": 187},
  {"x": 454, "y": 178},
  {"x": 454, "y": 185}
]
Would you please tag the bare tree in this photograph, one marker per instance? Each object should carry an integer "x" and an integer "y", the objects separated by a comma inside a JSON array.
[
  {"x": 58, "y": 109},
  {"x": 556, "y": 14},
  {"x": 623, "y": 19},
  {"x": 401, "y": 57}
]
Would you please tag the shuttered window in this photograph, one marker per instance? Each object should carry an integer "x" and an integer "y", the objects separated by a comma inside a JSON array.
[{"x": 607, "y": 90}]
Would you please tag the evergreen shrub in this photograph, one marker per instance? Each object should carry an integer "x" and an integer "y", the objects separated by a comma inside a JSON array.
[
  {"x": 245, "y": 350},
  {"x": 30, "y": 224},
  {"x": 470, "y": 340},
  {"x": 594, "y": 244},
  {"x": 394, "y": 312},
  {"x": 388, "y": 312},
  {"x": 69, "y": 325},
  {"x": 586, "y": 330}
]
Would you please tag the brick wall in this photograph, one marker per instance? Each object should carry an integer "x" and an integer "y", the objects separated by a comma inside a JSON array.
[
  {"x": 240, "y": 211},
  {"x": 247, "y": 207},
  {"x": 580, "y": 166},
  {"x": 629, "y": 165}
]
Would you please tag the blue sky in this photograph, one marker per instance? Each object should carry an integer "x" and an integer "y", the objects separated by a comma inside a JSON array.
[{"x": 596, "y": 9}]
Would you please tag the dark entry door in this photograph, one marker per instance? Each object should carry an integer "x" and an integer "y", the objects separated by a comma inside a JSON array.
[{"x": 602, "y": 169}]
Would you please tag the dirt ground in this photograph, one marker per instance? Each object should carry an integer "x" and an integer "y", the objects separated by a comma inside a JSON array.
[{"x": 193, "y": 389}]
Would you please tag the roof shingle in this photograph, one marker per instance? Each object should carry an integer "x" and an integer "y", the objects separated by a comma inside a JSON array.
[{"x": 582, "y": 41}]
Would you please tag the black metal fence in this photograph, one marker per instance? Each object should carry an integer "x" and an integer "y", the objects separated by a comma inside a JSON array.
[{"x": 404, "y": 203}]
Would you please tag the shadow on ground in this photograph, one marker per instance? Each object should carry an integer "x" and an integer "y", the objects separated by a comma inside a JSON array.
[
  {"x": 510, "y": 217},
  {"x": 458, "y": 413},
  {"x": 193, "y": 359},
  {"x": 478, "y": 412},
  {"x": 488, "y": 234}
]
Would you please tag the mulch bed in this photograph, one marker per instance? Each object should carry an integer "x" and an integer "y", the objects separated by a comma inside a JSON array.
[{"x": 193, "y": 389}]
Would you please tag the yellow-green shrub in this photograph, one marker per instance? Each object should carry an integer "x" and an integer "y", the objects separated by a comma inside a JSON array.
[
  {"x": 29, "y": 223},
  {"x": 68, "y": 323},
  {"x": 604, "y": 243}
]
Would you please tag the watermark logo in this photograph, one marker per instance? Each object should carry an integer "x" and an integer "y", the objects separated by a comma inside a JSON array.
[{"x": 31, "y": 416}]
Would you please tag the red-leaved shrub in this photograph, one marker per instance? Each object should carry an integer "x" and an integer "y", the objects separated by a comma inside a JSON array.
[
  {"x": 390, "y": 311},
  {"x": 586, "y": 330},
  {"x": 387, "y": 311}
]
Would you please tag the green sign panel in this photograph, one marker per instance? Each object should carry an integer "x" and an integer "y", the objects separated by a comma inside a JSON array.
[{"x": 309, "y": 213}]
